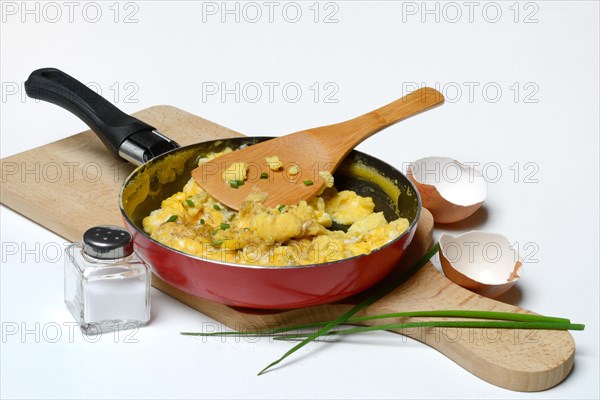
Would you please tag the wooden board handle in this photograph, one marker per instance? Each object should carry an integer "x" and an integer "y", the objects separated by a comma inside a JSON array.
[{"x": 523, "y": 360}]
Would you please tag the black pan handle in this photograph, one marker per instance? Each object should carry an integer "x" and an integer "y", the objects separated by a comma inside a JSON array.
[{"x": 125, "y": 136}]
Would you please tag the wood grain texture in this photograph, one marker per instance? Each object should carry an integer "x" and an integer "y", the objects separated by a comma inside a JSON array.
[
  {"x": 518, "y": 360},
  {"x": 312, "y": 151}
]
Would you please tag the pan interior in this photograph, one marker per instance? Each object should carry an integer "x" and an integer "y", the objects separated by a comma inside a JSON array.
[{"x": 166, "y": 175}]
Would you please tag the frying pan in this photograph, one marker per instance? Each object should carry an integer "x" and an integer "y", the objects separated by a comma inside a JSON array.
[{"x": 163, "y": 169}]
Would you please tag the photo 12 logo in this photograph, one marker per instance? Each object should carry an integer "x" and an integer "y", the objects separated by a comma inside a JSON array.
[
  {"x": 64, "y": 172},
  {"x": 53, "y": 12},
  {"x": 253, "y": 12},
  {"x": 452, "y": 12},
  {"x": 115, "y": 92},
  {"x": 54, "y": 332},
  {"x": 491, "y": 252},
  {"x": 487, "y": 92},
  {"x": 37, "y": 252},
  {"x": 491, "y": 171},
  {"x": 269, "y": 92}
]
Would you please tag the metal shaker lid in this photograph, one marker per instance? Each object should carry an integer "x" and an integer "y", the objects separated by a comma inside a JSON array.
[{"x": 107, "y": 242}]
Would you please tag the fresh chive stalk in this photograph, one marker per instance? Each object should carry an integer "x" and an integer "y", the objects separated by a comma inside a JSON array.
[
  {"x": 491, "y": 315},
  {"x": 447, "y": 324}
]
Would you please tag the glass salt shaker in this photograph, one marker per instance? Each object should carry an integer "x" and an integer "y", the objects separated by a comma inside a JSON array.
[{"x": 106, "y": 286}]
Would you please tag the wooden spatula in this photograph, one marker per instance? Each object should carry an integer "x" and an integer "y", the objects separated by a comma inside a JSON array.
[{"x": 304, "y": 156}]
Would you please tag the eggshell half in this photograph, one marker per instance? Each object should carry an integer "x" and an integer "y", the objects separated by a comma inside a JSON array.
[
  {"x": 482, "y": 262},
  {"x": 449, "y": 189}
]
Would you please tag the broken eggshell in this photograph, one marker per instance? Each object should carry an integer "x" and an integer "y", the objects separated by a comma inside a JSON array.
[
  {"x": 482, "y": 262},
  {"x": 449, "y": 189}
]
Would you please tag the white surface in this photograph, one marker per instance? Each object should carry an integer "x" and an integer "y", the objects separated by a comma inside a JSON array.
[{"x": 369, "y": 57}]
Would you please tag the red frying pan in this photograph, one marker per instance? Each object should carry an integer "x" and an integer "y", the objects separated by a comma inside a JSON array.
[{"x": 232, "y": 284}]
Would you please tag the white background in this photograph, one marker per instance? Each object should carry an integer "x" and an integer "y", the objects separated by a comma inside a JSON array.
[{"x": 368, "y": 54}]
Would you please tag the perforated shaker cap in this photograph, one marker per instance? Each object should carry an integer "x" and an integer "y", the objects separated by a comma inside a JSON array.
[{"x": 107, "y": 242}]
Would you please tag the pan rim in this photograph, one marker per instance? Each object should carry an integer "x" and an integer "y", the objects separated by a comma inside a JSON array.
[{"x": 408, "y": 230}]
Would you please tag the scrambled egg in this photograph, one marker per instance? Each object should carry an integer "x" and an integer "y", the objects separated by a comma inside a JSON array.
[
  {"x": 238, "y": 171},
  {"x": 194, "y": 222},
  {"x": 327, "y": 178},
  {"x": 293, "y": 170},
  {"x": 274, "y": 163}
]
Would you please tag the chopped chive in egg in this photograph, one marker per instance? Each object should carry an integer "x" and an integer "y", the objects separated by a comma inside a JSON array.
[
  {"x": 216, "y": 207},
  {"x": 217, "y": 243},
  {"x": 232, "y": 217},
  {"x": 190, "y": 203},
  {"x": 215, "y": 231},
  {"x": 225, "y": 226},
  {"x": 202, "y": 221},
  {"x": 280, "y": 208},
  {"x": 235, "y": 183},
  {"x": 172, "y": 218}
]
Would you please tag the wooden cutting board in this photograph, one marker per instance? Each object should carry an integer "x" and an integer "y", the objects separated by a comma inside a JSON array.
[{"x": 72, "y": 184}]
